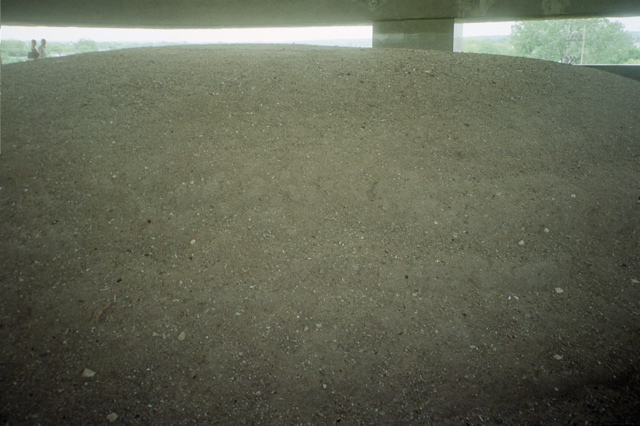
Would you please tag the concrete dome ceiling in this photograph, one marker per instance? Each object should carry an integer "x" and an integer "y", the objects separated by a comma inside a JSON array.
[{"x": 272, "y": 13}]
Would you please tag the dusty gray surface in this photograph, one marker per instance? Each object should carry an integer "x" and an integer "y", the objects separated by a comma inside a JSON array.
[{"x": 294, "y": 234}]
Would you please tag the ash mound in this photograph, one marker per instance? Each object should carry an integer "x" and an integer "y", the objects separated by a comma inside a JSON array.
[{"x": 301, "y": 234}]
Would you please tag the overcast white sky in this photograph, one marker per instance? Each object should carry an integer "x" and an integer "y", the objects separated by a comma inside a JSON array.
[
  {"x": 254, "y": 35},
  {"x": 258, "y": 35}
]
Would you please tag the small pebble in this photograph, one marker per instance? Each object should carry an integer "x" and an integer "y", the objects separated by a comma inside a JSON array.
[
  {"x": 88, "y": 373},
  {"x": 559, "y": 290},
  {"x": 192, "y": 242},
  {"x": 558, "y": 357},
  {"x": 112, "y": 417},
  {"x": 521, "y": 242},
  {"x": 319, "y": 325},
  {"x": 182, "y": 336}
]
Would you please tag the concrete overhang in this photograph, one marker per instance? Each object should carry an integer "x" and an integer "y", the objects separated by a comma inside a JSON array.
[{"x": 289, "y": 13}]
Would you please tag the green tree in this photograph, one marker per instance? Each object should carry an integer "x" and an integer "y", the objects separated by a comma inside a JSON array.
[
  {"x": 13, "y": 51},
  {"x": 473, "y": 45},
  {"x": 589, "y": 41},
  {"x": 84, "y": 46},
  {"x": 15, "y": 47}
]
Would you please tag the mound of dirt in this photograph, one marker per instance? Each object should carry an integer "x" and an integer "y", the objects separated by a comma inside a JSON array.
[{"x": 269, "y": 234}]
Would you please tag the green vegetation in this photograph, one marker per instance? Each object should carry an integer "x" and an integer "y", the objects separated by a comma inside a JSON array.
[
  {"x": 84, "y": 46},
  {"x": 16, "y": 50},
  {"x": 490, "y": 45},
  {"x": 12, "y": 49},
  {"x": 588, "y": 41}
]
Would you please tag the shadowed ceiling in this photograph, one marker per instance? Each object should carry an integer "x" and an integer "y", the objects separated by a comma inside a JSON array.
[{"x": 283, "y": 13}]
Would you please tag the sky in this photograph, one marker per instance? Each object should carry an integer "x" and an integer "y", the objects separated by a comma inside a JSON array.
[{"x": 255, "y": 35}]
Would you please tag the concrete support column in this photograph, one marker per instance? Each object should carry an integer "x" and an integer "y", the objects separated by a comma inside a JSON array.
[{"x": 426, "y": 34}]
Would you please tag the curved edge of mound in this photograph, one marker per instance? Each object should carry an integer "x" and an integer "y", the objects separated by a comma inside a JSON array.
[{"x": 280, "y": 234}]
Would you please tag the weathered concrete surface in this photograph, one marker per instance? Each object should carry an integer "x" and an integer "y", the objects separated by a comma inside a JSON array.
[
  {"x": 283, "y": 13},
  {"x": 431, "y": 34}
]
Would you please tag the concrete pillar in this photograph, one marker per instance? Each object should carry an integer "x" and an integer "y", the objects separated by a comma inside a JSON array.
[{"x": 426, "y": 34}]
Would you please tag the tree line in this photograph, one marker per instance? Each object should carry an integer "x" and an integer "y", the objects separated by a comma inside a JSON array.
[
  {"x": 575, "y": 41},
  {"x": 588, "y": 41},
  {"x": 16, "y": 50}
]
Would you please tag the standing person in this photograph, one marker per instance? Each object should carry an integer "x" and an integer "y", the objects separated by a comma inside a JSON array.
[
  {"x": 34, "y": 54},
  {"x": 41, "y": 50}
]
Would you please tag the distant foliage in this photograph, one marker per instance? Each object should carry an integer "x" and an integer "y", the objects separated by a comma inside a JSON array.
[
  {"x": 16, "y": 50},
  {"x": 14, "y": 47},
  {"x": 84, "y": 46},
  {"x": 589, "y": 41},
  {"x": 13, "y": 50},
  {"x": 474, "y": 45}
]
